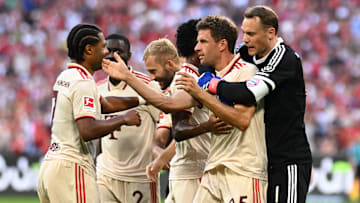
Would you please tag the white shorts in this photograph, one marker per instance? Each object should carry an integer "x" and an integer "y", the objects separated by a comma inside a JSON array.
[
  {"x": 66, "y": 181},
  {"x": 182, "y": 191},
  {"x": 113, "y": 190},
  {"x": 223, "y": 185}
]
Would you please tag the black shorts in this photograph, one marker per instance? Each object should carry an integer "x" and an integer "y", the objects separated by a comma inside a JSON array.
[{"x": 289, "y": 183}]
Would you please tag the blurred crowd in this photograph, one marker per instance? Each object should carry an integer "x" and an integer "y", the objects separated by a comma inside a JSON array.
[{"x": 325, "y": 33}]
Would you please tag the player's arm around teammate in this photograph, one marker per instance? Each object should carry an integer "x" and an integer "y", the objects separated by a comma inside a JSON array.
[
  {"x": 184, "y": 130},
  {"x": 239, "y": 115}
]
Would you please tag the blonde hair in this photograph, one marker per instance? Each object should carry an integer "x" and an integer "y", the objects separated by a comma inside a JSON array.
[{"x": 163, "y": 50}]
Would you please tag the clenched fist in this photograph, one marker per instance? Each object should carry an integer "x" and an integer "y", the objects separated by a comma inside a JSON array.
[{"x": 132, "y": 118}]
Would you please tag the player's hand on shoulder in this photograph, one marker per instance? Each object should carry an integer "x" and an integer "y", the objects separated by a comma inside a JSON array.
[{"x": 132, "y": 118}]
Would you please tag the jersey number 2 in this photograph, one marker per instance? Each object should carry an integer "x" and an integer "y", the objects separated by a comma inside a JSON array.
[{"x": 140, "y": 196}]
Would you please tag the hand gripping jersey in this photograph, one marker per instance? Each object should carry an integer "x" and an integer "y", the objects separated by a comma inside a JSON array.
[
  {"x": 75, "y": 97},
  {"x": 127, "y": 151},
  {"x": 191, "y": 154},
  {"x": 243, "y": 152}
]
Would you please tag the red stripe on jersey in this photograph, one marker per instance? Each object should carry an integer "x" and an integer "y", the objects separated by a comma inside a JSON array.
[
  {"x": 187, "y": 111},
  {"x": 237, "y": 66},
  {"x": 79, "y": 181},
  {"x": 163, "y": 126},
  {"x": 151, "y": 195},
  {"x": 256, "y": 191},
  {"x": 82, "y": 72},
  {"x": 153, "y": 192},
  {"x": 144, "y": 78},
  {"x": 232, "y": 66},
  {"x": 253, "y": 184},
  {"x": 83, "y": 183},
  {"x": 84, "y": 117},
  {"x": 191, "y": 70},
  {"x": 258, "y": 185},
  {"x": 76, "y": 185},
  {"x": 141, "y": 74}
]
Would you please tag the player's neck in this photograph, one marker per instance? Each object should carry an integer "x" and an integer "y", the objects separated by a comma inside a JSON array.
[
  {"x": 270, "y": 47},
  {"x": 224, "y": 61},
  {"x": 87, "y": 66},
  {"x": 194, "y": 60}
]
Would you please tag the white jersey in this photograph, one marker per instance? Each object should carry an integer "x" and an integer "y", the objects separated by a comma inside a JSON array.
[
  {"x": 165, "y": 118},
  {"x": 127, "y": 151},
  {"x": 244, "y": 152},
  {"x": 191, "y": 154},
  {"x": 165, "y": 121},
  {"x": 75, "y": 97}
]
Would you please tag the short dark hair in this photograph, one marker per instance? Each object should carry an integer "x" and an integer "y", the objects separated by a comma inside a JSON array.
[
  {"x": 119, "y": 36},
  {"x": 79, "y": 37},
  {"x": 220, "y": 27},
  {"x": 186, "y": 38},
  {"x": 267, "y": 16}
]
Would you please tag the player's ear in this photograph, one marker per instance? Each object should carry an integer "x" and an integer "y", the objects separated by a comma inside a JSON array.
[
  {"x": 170, "y": 64},
  {"x": 222, "y": 45},
  {"x": 89, "y": 49},
  {"x": 271, "y": 33}
]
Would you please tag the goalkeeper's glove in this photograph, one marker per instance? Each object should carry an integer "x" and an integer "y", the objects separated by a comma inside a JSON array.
[{"x": 209, "y": 82}]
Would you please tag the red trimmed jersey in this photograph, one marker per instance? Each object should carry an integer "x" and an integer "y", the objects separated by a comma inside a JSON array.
[
  {"x": 75, "y": 97},
  {"x": 243, "y": 152},
  {"x": 191, "y": 154},
  {"x": 128, "y": 150}
]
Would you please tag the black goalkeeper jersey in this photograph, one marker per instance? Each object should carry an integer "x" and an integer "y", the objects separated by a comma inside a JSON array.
[{"x": 282, "y": 72}]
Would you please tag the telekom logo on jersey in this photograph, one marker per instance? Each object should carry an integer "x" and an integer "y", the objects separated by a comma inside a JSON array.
[{"x": 88, "y": 103}]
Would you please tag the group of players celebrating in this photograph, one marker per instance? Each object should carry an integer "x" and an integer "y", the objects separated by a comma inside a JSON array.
[{"x": 235, "y": 119}]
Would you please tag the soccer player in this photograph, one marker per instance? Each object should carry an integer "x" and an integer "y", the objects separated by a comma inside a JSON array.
[
  {"x": 237, "y": 165},
  {"x": 126, "y": 152},
  {"x": 185, "y": 41},
  {"x": 161, "y": 60},
  {"x": 67, "y": 173},
  {"x": 280, "y": 82}
]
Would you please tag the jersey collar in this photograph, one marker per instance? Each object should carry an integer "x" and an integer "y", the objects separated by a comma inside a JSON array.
[
  {"x": 122, "y": 84},
  {"x": 262, "y": 60},
  {"x": 81, "y": 68},
  {"x": 191, "y": 66},
  {"x": 229, "y": 67}
]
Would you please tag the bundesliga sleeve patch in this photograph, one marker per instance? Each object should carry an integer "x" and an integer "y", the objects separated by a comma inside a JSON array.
[{"x": 88, "y": 103}]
